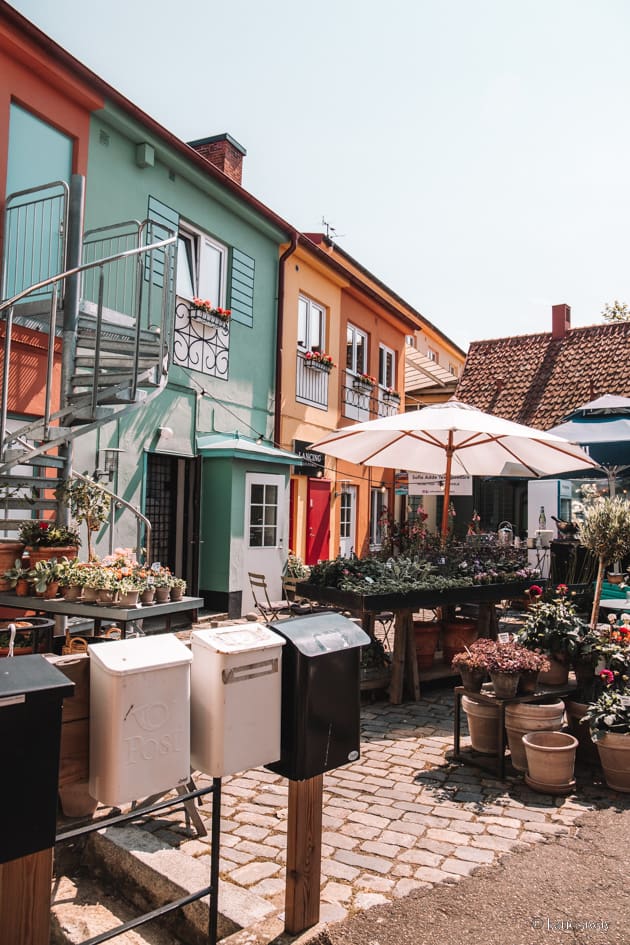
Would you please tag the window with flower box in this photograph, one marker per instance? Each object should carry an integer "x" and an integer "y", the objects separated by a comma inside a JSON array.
[
  {"x": 313, "y": 363},
  {"x": 359, "y": 385}
]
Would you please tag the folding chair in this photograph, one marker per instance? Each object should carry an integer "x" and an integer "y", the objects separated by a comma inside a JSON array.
[
  {"x": 267, "y": 608},
  {"x": 296, "y": 603}
]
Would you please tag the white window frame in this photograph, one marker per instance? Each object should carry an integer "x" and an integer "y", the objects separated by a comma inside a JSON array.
[
  {"x": 384, "y": 354},
  {"x": 432, "y": 355},
  {"x": 378, "y": 505},
  {"x": 199, "y": 244},
  {"x": 352, "y": 344},
  {"x": 313, "y": 311},
  {"x": 410, "y": 340}
]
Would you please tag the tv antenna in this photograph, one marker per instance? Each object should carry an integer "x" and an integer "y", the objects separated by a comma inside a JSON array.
[{"x": 331, "y": 232}]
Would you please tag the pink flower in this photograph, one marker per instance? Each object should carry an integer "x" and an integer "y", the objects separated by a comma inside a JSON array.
[
  {"x": 562, "y": 589},
  {"x": 535, "y": 590},
  {"x": 607, "y": 676}
]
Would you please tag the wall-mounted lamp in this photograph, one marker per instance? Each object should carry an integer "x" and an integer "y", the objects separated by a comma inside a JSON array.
[
  {"x": 108, "y": 463},
  {"x": 319, "y": 474},
  {"x": 383, "y": 490}
]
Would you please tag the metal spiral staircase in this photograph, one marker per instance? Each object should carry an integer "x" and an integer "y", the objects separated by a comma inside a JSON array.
[{"x": 102, "y": 303}]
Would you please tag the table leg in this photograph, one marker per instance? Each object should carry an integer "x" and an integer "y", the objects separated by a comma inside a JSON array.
[
  {"x": 457, "y": 717},
  {"x": 412, "y": 662},
  {"x": 398, "y": 664},
  {"x": 501, "y": 740}
]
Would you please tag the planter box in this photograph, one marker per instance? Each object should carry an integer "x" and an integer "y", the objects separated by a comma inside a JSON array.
[{"x": 413, "y": 600}]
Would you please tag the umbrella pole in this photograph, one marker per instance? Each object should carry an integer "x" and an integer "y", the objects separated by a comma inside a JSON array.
[{"x": 447, "y": 487}]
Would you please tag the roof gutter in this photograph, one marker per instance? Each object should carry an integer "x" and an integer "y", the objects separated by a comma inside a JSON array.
[{"x": 277, "y": 413}]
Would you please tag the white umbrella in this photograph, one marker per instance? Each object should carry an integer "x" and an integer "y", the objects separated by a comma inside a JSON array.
[{"x": 454, "y": 439}]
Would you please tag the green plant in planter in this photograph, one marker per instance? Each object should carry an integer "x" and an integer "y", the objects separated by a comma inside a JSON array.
[
  {"x": 88, "y": 505},
  {"x": 161, "y": 576},
  {"x": 295, "y": 568},
  {"x": 100, "y": 579},
  {"x": 43, "y": 574},
  {"x": 178, "y": 583},
  {"x": 605, "y": 532},
  {"x": 373, "y": 656},
  {"x": 70, "y": 572},
  {"x": 553, "y": 626},
  {"x": 16, "y": 573},
  {"x": 609, "y": 713},
  {"x": 41, "y": 534}
]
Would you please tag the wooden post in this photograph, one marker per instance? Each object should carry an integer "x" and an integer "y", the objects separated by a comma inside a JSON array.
[
  {"x": 412, "y": 661},
  {"x": 304, "y": 854},
  {"x": 25, "y": 890}
]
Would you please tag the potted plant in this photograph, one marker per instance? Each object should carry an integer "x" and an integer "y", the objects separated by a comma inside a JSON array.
[
  {"x": 609, "y": 721},
  {"x": 71, "y": 575},
  {"x": 45, "y": 578},
  {"x": 161, "y": 583},
  {"x": 210, "y": 313},
  {"x": 320, "y": 360},
  {"x": 129, "y": 588},
  {"x": 552, "y": 627},
  {"x": 17, "y": 578},
  {"x": 177, "y": 588},
  {"x": 472, "y": 664},
  {"x": 45, "y": 539},
  {"x": 147, "y": 588},
  {"x": 605, "y": 532},
  {"x": 364, "y": 382},
  {"x": 89, "y": 505},
  {"x": 504, "y": 666}
]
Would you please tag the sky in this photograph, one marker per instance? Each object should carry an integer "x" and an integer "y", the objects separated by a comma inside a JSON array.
[{"x": 472, "y": 154}]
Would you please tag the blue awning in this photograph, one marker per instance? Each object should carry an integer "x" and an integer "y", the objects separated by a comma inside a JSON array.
[{"x": 234, "y": 446}]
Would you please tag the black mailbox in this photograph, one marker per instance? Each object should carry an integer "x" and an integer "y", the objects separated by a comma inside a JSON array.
[
  {"x": 320, "y": 728},
  {"x": 31, "y": 700}
]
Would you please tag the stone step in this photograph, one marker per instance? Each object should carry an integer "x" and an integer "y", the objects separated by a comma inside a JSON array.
[
  {"x": 152, "y": 872},
  {"x": 82, "y": 909}
]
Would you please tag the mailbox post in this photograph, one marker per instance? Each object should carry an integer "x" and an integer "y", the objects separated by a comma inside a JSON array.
[
  {"x": 31, "y": 699},
  {"x": 320, "y": 731}
]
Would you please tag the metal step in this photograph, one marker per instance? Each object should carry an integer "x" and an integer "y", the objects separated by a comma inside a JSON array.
[
  {"x": 20, "y": 481},
  {"x": 109, "y": 361},
  {"x": 103, "y": 380},
  {"x": 35, "y": 504},
  {"x": 87, "y": 328}
]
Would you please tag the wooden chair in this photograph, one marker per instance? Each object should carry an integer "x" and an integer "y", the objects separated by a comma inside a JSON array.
[
  {"x": 297, "y": 604},
  {"x": 268, "y": 609}
]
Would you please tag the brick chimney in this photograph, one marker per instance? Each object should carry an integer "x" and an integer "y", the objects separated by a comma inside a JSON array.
[
  {"x": 224, "y": 152},
  {"x": 560, "y": 320}
]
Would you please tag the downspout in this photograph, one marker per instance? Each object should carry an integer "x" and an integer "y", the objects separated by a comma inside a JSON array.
[{"x": 277, "y": 413}]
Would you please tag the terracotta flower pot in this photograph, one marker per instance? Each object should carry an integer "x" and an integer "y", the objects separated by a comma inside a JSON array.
[
  {"x": 176, "y": 593},
  {"x": 426, "y": 636},
  {"x": 525, "y": 717},
  {"x": 162, "y": 595},
  {"x": 148, "y": 595},
  {"x": 9, "y": 552},
  {"x": 482, "y": 725},
  {"x": 587, "y": 748},
  {"x": 456, "y": 636},
  {"x": 130, "y": 599},
  {"x": 550, "y": 761},
  {"x": 528, "y": 682},
  {"x": 72, "y": 592},
  {"x": 558, "y": 675},
  {"x": 51, "y": 590},
  {"x": 504, "y": 684},
  {"x": 21, "y": 588},
  {"x": 90, "y": 595},
  {"x": 614, "y": 753},
  {"x": 472, "y": 679},
  {"x": 45, "y": 553}
]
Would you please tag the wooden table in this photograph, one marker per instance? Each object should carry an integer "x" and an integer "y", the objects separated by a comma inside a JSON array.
[
  {"x": 403, "y": 606},
  {"x": 121, "y": 616}
]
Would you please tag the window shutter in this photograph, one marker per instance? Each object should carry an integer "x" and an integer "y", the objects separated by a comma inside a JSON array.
[
  {"x": 163, "y": 223},
  {"x": 242, "y": 288}
]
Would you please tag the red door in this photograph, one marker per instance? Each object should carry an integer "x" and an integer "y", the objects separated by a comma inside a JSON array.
[{"x": 317, "y": 521}]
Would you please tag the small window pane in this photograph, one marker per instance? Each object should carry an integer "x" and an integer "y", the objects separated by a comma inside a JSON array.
[
  {"x": 210, "y": 273},
  {"x": 271, "y": 495},
  {"x": 302, "y": 323},
  {"x": 361, "y": 354},
  {"x": 255, "y": 537},
  {"x": 270, "y": 537},
  {"x": 256, "y": 515},
  {"x": 271, "y": 513},
  {"x": 258, "y": 494},
  {"x": 315, "y": 334}
]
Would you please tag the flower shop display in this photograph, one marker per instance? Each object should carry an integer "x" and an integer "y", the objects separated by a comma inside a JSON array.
[
  {"x": 472, "y": 664},
  {"x": 177, "y": 587}
]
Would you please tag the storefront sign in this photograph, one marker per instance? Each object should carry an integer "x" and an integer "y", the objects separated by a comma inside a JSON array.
[
  {"x": 429, "y": 484},
  {"x": 313, "y": 461}
]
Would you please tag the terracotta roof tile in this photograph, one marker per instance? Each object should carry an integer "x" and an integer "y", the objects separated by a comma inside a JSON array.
[{"x": 536, "y": 380}]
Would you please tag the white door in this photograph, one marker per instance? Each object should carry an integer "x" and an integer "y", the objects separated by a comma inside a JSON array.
[
  {"x": 265, "y": 538},
  {"x": 347, "y": 521}
]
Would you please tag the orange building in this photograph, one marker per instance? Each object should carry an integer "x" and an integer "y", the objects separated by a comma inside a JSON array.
[{"x": 342, "y": 343}]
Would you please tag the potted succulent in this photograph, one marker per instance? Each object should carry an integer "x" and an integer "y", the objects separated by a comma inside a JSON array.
[
  {"x": 17, "y": 578},
  {"x": 45, "y": 540},
  {"x": 472, "y": 664},
  {"x": 45, "y": 578},
  {"x": 504, "y": 666},
  {"x": 609, "y": 721}
]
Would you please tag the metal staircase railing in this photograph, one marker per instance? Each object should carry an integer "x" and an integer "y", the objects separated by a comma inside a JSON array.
[{"x": 99, "y": 383}]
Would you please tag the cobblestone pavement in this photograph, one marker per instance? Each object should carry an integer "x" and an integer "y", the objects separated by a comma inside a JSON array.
[{"x": 400, "y": 818}]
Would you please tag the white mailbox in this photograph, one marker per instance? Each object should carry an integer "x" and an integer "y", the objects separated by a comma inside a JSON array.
[
  {"x": 235, "y": 698},
  {"x": 139, "y": 717}
]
